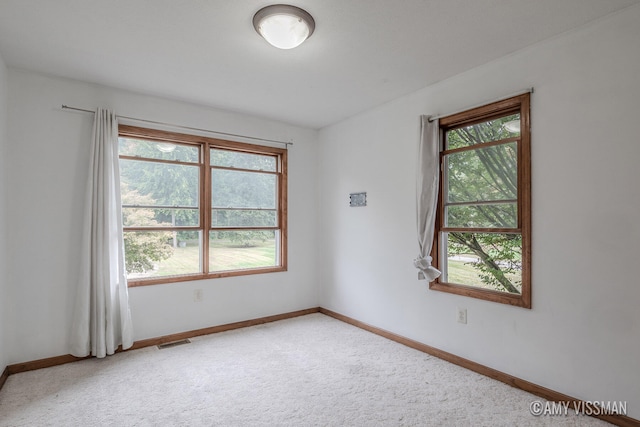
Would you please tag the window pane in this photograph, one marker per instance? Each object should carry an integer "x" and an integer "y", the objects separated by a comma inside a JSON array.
[
  {"x": 484, "y": 260},
  {"x": 243, "y": 218},
  {"x": 147, "y": 183},
  {"x": 485, "y": 174},
  {"x": 492, "y": 130},
  {"x": 235, "y": 159},
  {"x": 164, "y": 217},
  {"x": 239, "y": 250},
  {"x": 236, "y": 189},
  {"x": 494, "y": 215},
  {"x": 162, "y": 253},
  {"x": 158, "y": 150}
]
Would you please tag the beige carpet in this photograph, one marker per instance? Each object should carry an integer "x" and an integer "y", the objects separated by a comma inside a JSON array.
[{"x": 307, "y": 371}]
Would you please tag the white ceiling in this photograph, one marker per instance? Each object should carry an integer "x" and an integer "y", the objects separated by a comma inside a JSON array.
[{"x": 362, "y": 54}]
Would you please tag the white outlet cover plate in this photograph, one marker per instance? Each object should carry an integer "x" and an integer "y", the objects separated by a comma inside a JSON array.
[{"x": 462, "y": 315}]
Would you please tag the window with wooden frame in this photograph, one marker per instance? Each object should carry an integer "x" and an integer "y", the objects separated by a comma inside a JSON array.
[
  {"x": 482, "y": 241},
  {"x": 195, "y": 207}
]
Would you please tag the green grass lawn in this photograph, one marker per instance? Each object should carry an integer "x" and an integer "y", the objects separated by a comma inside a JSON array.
[
  {"x": 183, "y": 261},
  {"x": 223, "y": 255},
  {"x": 464, "y": 273}
]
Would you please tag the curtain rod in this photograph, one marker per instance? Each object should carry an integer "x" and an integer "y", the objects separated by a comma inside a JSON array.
[
  {"x": 84, "y": 110},
  {"x": 522, "y": 92}
]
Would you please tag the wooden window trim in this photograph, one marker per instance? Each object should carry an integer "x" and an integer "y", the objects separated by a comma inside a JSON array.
[
  {"x": 205, "y": 144},
  {"x": 494, "y": 110}
]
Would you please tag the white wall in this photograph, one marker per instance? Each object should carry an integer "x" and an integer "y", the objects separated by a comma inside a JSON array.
[
  {"x": 4, "y": 276},
  {"x": 581, "y": 336},
  {"x": 49, "y": 151}
]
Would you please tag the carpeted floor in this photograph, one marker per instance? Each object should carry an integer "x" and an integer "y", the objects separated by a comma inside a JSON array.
[{"x": 308, "y": 371}]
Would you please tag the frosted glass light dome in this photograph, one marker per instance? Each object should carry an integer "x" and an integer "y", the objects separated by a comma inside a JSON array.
[{"x": 284, "y": 26}]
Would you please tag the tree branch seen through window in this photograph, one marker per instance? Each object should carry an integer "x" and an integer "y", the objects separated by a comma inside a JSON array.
[
  {"x": 196, "y": 207},
  {"x": 482, "y": 241}
]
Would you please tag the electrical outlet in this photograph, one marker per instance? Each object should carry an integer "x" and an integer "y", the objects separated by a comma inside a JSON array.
[
  {"x": 462, "y": 315},
  {"x": 198, "y": 295}
]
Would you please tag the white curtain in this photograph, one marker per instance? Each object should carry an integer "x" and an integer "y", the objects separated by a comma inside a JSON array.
[
  {"x": 428, "y": 177},
  {"x": 102, "y": 319}
]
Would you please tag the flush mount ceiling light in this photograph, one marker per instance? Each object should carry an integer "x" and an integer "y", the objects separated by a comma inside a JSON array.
[{"x": 284, "y": 26}]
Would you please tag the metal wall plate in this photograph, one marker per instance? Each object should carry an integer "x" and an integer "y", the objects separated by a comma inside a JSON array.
[{"x": 357, "y": 199}]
